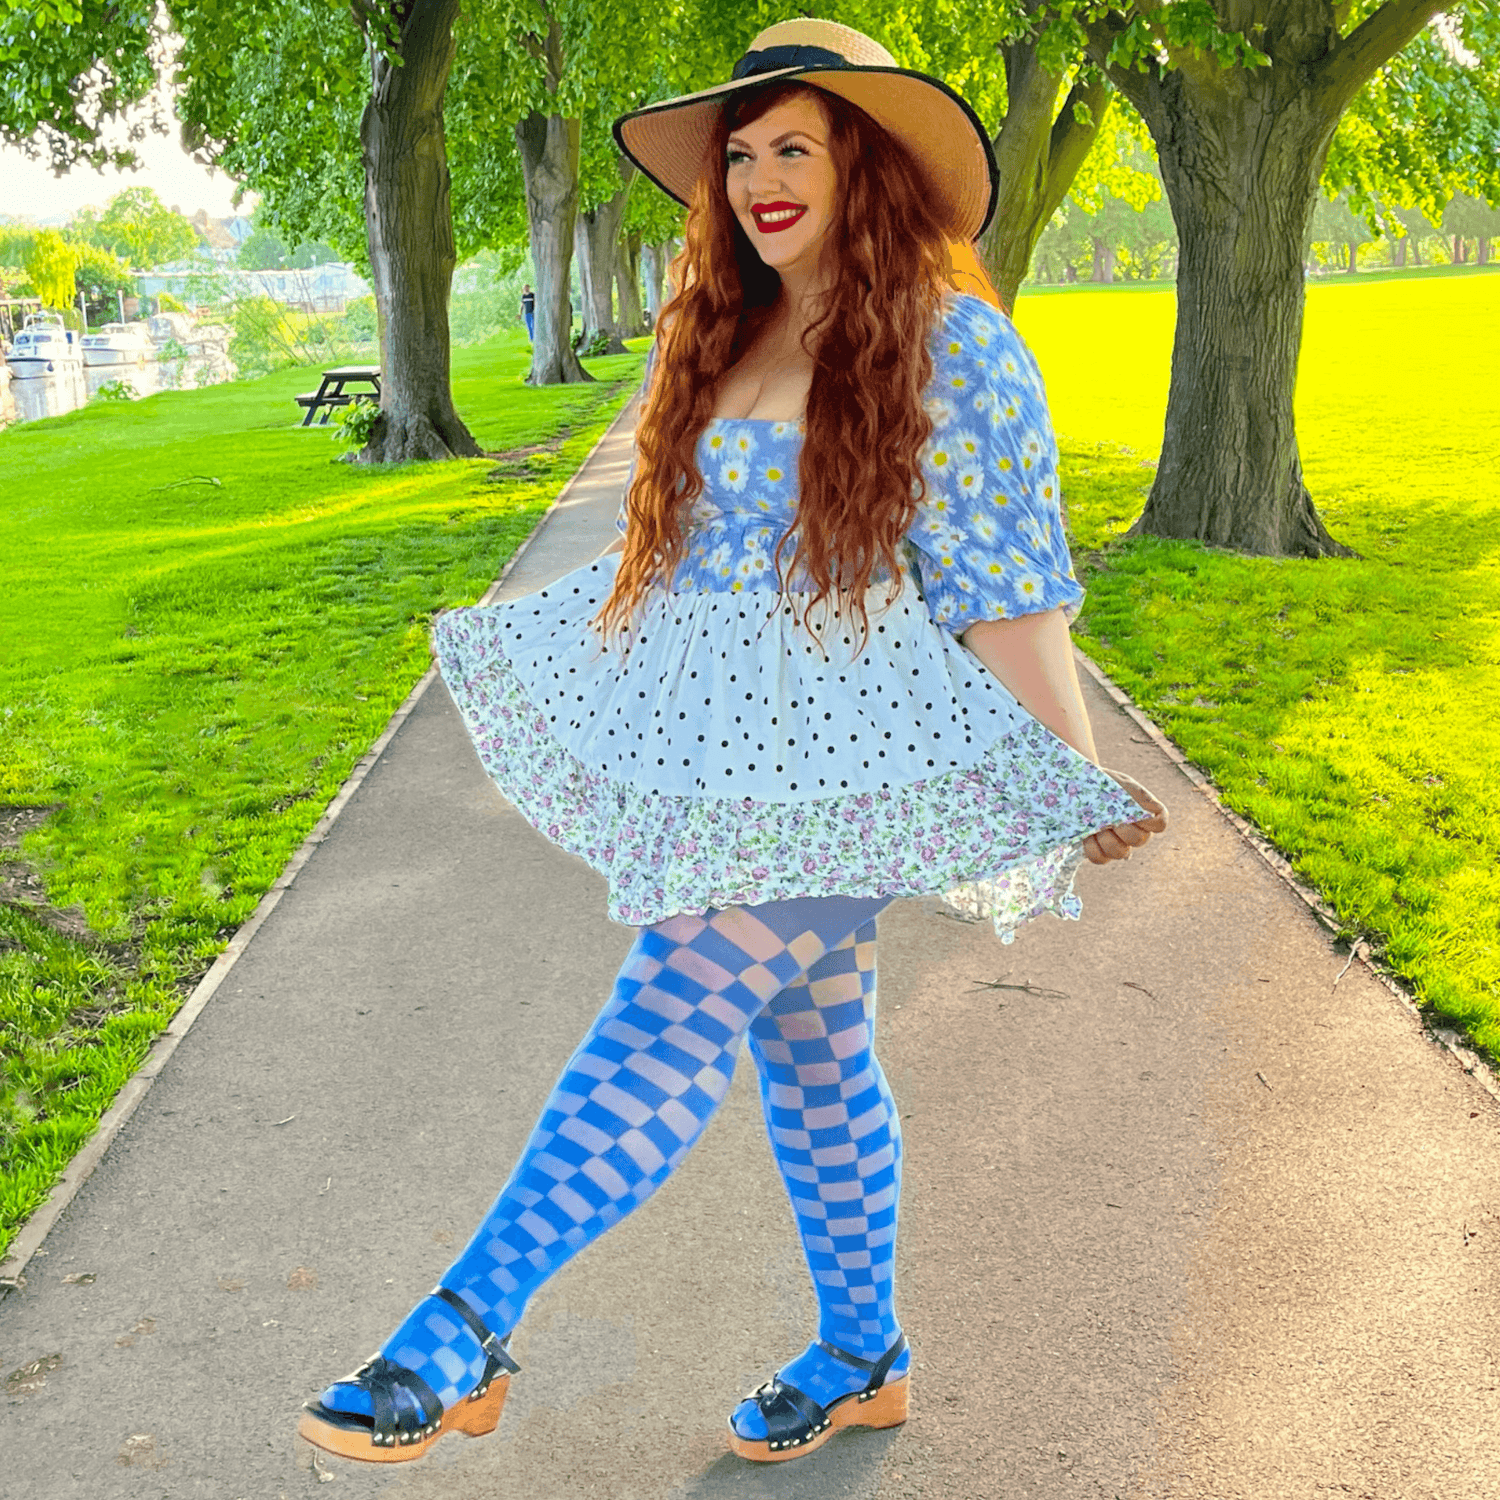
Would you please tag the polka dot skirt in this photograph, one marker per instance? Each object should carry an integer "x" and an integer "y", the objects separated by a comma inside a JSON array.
[{"x": 728, "y": 754}]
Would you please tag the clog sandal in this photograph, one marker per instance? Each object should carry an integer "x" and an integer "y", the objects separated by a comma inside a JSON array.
[
  {"x": 395, "y": 1434},
  {"x": 797, "y": 1425}
]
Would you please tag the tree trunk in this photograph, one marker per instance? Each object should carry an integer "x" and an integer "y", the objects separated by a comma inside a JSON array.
[
  {"x": 1038, "y": 150},
  {"x": 1230, "y": 473},
  {"x": 1458, "y": 250},
  {"x": 1353, "y": 266},
  {"x": 409, "y": 220},
  {"x": 1398, "y": 253},
  {"x": 549, "y": 164},
  {"x": 585, "y": 268},
  {"x": 1484, "y": 250},
  {"x": 598, "y": 236},
  {"x": 1104, "y": 260},
  {"x": 654, "y": 258},
  {"x": 628, "y": 284},
  {"x": 1416, "y": 249}
]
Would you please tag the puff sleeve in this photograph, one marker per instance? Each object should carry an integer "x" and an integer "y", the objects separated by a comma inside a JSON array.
[{"x": 988, "y": 539}]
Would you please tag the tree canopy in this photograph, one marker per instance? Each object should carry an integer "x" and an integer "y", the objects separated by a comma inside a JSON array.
[
  {"x": 139, "y": 228},
  {"x": 71, "y": 67}
]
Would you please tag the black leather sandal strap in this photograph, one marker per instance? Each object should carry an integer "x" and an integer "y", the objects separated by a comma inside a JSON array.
[
  {"x": 883, "y": 1367},
  {"x": 852, "y": 1360},
  {"x": 383, "y": 1407},
  {"x": 390, "y": 1420},
  {"x": 791, "y": 1416},
  {"x": 491, "y": 1343},
  {"x": 432, "y": 1407}
]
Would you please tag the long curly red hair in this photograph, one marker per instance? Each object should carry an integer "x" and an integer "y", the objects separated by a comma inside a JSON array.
[{"x": 860, "y": 482}]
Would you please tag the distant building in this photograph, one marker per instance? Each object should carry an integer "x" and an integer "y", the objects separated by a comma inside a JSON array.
[{"x": 318, "y": 289}]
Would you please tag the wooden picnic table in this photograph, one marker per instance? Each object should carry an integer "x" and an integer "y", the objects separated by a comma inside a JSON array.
[{"x": 332, "y": 391}]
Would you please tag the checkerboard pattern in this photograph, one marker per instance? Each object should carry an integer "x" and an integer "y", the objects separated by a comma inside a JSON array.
[
  {"x": 631, "y": 1102},
  {"x": 837, "y": 1138}
]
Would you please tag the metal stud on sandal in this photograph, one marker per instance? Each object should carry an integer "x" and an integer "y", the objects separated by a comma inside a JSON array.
[
  {"x": 395, "y": 1434},
  {"x": 797, "y": 1425}
]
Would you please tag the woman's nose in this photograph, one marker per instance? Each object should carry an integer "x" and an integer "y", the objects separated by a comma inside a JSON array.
[{"x": 764, "y": 175}]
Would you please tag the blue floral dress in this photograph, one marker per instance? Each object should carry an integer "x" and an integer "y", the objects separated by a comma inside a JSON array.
[{"x": 733, "y": 752}]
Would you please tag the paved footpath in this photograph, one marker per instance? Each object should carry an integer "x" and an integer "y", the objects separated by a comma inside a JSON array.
[{"x": 1183, "y": 1216}]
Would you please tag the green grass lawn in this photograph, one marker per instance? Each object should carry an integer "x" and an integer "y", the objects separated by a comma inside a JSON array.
[
  {"x": 1347, "y": 707},
  {"x": 207, "y": 620}
]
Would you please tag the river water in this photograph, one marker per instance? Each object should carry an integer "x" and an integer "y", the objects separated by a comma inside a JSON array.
[{"x": 74, "y": 385}]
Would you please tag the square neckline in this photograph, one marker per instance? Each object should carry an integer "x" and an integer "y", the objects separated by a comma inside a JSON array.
[{"x": 767, "y": 421}]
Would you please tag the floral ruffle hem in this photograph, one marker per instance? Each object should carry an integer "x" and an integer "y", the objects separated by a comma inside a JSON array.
[{"x": 1000, "y": 839}]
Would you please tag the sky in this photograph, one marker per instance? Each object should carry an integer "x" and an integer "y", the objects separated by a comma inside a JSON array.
[{"x": 29, "y": 190}]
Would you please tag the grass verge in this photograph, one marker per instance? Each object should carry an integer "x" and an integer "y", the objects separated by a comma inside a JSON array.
[
  {"x": 1346, "y": 707},
  {"x": 207, "y": 622}
]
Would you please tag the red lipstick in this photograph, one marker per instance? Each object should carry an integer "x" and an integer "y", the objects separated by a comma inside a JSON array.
[{"x": 775, "y": 226}]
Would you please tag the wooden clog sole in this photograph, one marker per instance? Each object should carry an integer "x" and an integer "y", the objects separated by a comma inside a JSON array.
[
  {"x": 472, "y": 1417},
  {"x": 887, "y": 1408}
]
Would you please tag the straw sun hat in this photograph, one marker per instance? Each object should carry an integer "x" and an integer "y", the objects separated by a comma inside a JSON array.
[{"x": 671, "y": 141}]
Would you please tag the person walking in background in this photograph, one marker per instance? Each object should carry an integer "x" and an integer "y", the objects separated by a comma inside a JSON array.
[
  {"x": 528, "y": 311},
  {"x": 826, "y": 665}
]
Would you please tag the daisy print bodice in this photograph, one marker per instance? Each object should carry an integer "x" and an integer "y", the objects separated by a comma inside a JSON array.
[
  {"x": 987, "y": 541},
  {"x": 749, "y": 500}
]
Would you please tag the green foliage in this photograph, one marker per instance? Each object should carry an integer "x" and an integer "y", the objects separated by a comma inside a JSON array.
[
  {"x": 263, "y": 251},
  {"x": 116, "y": 390},
  {"x": 274, "y": 92},
  {"x": 352, "y": 424},
  {"x": 210, "y": 620},
  {"x": 1342, "y": 706},
  {"x": 1471, "y": 217},
  {"x": 361, "y": 324},
  {"x": 48, "y": 49},
  {"x": 50, "y": 263},
  {"x": 594, "y": 347},
  {"x": 98, "y": 274},
  {"x": 139, "y": 228},
  {"x": 269, "y": 336},
  {"x": 1425, "y": 126},
  {"x": 1121, "y": 164},
  {"x": 487, "y": 296},
  {"x": 654, "y": 215},
  {"x": 1335, "y": 232},
  {"x": 312, "y": 253},
  {"x": 1116, "y": 222},
  {"x": 166, "y": 302}
]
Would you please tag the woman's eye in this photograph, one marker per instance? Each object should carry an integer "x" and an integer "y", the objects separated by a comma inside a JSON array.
[
  {"x": 800, "y": 150},
  {"x": 735, "y": 157}
]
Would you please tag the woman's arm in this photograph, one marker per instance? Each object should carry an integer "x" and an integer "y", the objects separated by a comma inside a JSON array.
[{"x": 1033, "y": 656}]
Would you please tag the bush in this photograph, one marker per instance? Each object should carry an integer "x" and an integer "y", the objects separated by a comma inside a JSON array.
[
  {"x": 352, "y": 424},
  {"x": 361, "y": 325},
  {"x": 166, "y": 302},
  {"x": 595, "y": 346},
  {"x": 116, "y": 390}
]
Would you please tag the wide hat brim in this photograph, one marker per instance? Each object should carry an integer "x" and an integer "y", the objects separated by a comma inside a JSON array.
[{"x": 671, "y": 141}]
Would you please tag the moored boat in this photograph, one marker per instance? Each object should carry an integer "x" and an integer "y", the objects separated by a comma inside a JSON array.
[
  {"x": 118, "y": 344},
  {"x": 45, "y": 344}
]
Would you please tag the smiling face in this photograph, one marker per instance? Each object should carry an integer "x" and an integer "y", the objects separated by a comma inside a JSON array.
[{"x": 782, "y": 184}]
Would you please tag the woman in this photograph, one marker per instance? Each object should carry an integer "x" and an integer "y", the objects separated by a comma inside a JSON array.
[{"x": 760, "y": 721}]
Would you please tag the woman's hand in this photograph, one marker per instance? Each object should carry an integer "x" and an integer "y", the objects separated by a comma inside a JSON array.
[{"x": 1121, "y": 839}]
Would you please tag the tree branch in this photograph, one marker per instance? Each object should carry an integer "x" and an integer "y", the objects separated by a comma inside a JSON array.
[
  {"x": 1373, "y": 43},
  {"x": 1142, "y": 89},
  {"x": 1071, "y": 142}
]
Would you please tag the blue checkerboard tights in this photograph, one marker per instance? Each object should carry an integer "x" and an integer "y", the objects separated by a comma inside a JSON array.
[
  {"x": 837, "y": 1138},
  {"x": 631, "y": 1102}
]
